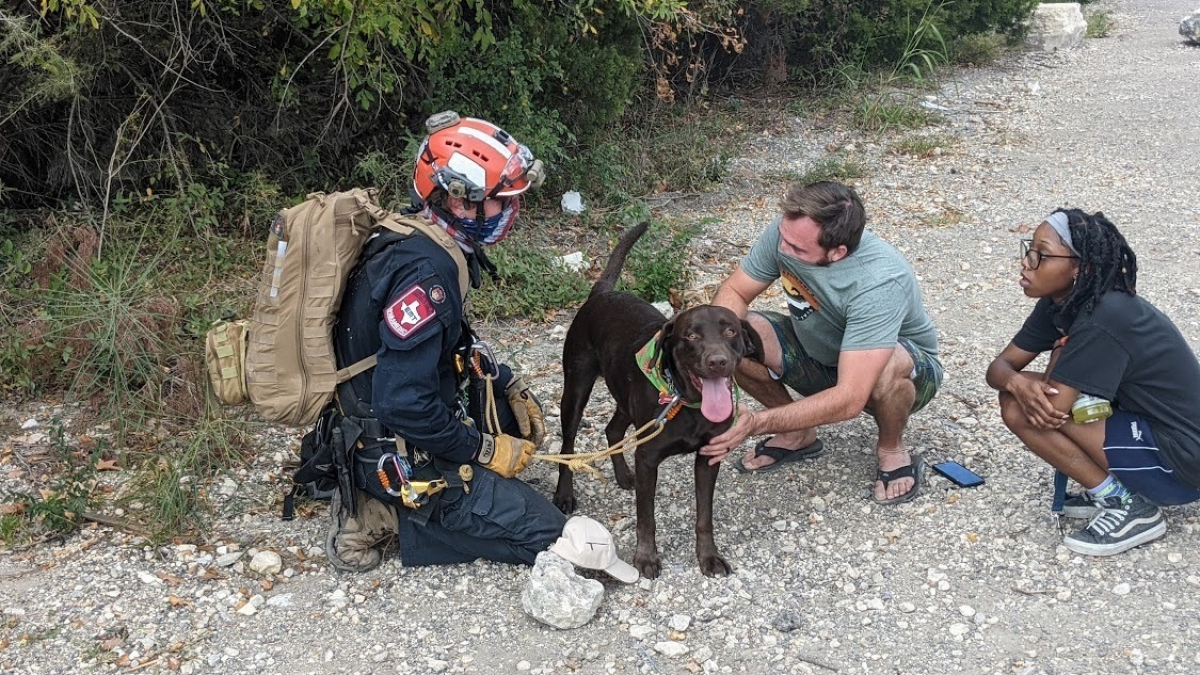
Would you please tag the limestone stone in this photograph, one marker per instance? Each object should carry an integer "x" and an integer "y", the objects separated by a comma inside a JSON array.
[
  {"x": 1056, "y": 25},
  {"x": 1189, "y": 27},
  {"x": 557, "y": 596}
]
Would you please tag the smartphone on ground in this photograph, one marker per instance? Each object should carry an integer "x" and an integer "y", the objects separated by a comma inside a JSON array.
[{"x": 958, "y": 474}]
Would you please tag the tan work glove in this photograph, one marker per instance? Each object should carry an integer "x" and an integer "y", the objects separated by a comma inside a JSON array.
[
  {"x": 504, "y": 454},
  {"x": 528, "y": 410}
]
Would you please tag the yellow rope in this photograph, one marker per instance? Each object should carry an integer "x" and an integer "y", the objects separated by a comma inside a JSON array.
[
  {"x": 582, "y": 461},
  {"x": 492, "y": 416}
]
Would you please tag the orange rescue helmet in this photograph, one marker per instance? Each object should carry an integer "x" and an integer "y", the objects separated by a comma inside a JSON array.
[{"x": 473, "y": 160}]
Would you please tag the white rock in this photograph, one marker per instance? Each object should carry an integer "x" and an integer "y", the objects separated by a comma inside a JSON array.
[
  {"x": 1121, "y": 589},
  {"x": 959, "y": 629},
  {"x": 1056, "y": 25},
  {"x": 148, "y": 578},
  {"x": 671, "y": 649},
  {"x": 967, "y": 611},
  {"x": 680, "y": 622},
  {"x": 266, "y": 562},
  {"x": 228, "y": 487},
  {"x": 282, "y": 600},
  {"x": 1174, "y": 557},
  {"x": 640, "y": 632},
  {"x": 229, "y": 559},
  {"x": 664, "y": 307},
  {"x": 437, "y": 665},
  {"x": 523, "y": 666},
  {"x": 29, "y": 424},
  {"x": 247, "y": 609},
  {"x": 907, "y": 607},
  {"x": 1189, "y": 27},
  {"x": 557, "y": 596}
]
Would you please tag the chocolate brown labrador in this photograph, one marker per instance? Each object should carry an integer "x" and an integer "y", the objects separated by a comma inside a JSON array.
[{"x": 699, "y": 351}]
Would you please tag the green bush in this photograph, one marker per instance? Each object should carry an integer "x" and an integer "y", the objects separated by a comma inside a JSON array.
[
  {"x": 872, "y": 34},
  {"x": 532, "y": 283},
  {"x": 659, "y": 262}
]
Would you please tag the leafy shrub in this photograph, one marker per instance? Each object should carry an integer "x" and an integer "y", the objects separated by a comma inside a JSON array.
[
  {"x": 531, "y": 284},
  {"x": 659, "y": 263}
]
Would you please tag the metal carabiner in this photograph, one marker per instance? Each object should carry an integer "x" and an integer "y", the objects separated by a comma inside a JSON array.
[
  {"x": 384, "y": 480},
  {"x": 662, "y": 416},
  {"x": 486, "y": 349}
]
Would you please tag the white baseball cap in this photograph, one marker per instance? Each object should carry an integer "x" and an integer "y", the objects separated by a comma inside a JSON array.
[{"x": 586, "y": 543}]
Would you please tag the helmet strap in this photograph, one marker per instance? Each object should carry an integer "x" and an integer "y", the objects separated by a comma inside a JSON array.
[{"x": 487, "y": 265}]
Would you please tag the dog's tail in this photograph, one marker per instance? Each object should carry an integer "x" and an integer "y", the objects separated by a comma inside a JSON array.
[{"x": 616, "y": 260}]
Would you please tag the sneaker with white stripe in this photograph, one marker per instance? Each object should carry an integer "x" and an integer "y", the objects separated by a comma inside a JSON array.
[
  {"x": 1081, "y": 506},
  {"x": 1118, "y": 526}
]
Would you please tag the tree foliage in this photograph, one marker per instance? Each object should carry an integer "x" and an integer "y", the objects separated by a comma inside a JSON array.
[{"x": 106, "y": 99}]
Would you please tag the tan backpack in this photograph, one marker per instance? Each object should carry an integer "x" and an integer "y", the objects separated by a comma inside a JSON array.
[{"x": 290, "y": 371}]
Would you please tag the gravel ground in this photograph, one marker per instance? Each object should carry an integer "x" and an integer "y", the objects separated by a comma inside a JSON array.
[{"x": 959, "y": 581}]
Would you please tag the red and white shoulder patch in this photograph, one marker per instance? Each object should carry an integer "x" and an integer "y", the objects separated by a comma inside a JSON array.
[{"x": 411, "y": 310}]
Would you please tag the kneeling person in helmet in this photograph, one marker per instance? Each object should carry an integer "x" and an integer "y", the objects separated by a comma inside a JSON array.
[{"x": 435, "y": 462}]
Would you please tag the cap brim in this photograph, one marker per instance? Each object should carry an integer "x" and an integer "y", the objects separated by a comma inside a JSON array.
[{"x": 623, "y": 571}]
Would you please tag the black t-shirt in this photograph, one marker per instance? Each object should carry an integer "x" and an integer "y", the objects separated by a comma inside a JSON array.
[{"x": 1128, "y": 352}]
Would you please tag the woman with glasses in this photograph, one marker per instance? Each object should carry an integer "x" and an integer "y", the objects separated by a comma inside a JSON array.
[{"x": 1111, "y": 351}]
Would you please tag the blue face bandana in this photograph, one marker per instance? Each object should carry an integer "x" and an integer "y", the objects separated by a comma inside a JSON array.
[{"x": 493, "y": 230}]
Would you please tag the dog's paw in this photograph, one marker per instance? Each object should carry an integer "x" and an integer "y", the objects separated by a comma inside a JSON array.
[
  {"x": 714, "y": 566},
  {"x": 565, "y": 502},
  {"x": 650, "y": 564}
]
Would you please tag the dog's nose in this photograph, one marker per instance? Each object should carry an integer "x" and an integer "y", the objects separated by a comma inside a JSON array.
[{"x": 717, "y": 362}]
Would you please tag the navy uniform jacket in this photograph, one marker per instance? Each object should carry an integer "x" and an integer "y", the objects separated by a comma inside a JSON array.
[{"x": 404, "y": 305}]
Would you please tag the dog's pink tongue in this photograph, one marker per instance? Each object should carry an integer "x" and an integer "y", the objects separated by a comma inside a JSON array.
[{"x": 717, "y": 402}]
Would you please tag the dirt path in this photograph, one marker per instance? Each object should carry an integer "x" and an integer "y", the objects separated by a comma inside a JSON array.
[{"x": 957, "y": 582}]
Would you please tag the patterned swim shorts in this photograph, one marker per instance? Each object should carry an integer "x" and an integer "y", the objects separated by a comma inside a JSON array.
[{"x": 807, "y": 376}]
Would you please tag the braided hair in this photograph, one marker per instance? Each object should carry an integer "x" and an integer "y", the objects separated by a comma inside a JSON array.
[{"x": 1106, "y": 263}]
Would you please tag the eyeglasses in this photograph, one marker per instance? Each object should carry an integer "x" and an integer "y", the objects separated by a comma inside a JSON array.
[{"x": 1034, "y": 257}]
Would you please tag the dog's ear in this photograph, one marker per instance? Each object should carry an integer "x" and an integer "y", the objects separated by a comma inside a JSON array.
[
  {"x": 752, "y": 346},
  {"x": 666, "y": 339}
]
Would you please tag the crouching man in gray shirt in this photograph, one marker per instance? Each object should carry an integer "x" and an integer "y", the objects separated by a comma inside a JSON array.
[{"x": 856, "y": 337}]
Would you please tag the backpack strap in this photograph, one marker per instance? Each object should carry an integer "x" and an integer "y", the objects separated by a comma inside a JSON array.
[{"x": 407, "y": 227}]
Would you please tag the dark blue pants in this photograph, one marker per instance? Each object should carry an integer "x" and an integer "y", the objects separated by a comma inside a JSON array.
[{"x": 500, "y": 519}]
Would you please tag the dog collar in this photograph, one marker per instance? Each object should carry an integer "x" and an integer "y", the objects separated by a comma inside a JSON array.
[{"x": 650, "y": 363}]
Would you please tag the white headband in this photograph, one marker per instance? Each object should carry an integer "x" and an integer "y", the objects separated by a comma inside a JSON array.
[{"x": 1058, "y": 222}]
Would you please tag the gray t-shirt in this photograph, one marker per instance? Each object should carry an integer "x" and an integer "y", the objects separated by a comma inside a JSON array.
[{"x": 867, "y": 300}]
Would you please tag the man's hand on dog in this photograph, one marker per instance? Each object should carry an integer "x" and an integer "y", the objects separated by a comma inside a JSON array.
[{"x": 720, "y": 446}]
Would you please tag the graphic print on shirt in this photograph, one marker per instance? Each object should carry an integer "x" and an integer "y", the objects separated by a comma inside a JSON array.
[
  {"x": 411, "y": 310},
  {"x": 800, "y": 298}
]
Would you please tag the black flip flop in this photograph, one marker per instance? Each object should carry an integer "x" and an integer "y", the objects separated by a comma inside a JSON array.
[
  {"x": 915, "y": 471},
  {"x": 781, "y": 455}
]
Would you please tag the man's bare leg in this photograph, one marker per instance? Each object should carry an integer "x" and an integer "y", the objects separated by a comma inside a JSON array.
[
  {"x": 756, "y": 380},
  {"x": 891, "y": 403}
]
